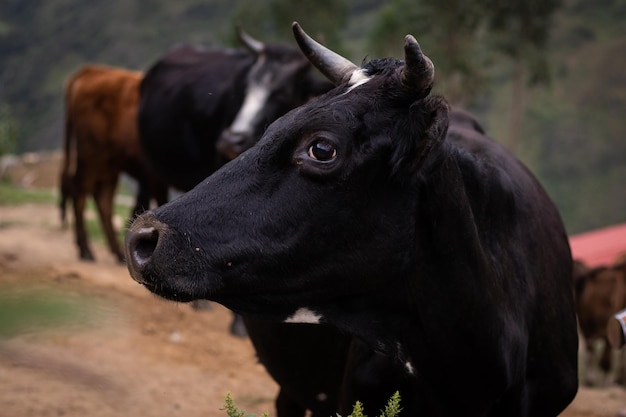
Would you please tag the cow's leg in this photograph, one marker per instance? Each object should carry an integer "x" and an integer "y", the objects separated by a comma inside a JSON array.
[
  {"x": 287, "y": 407},
  {"x": 238, "y": 327},
  {"x": 146, "y": 190},
  {"x": 372, "y": 379},
  {"x": 142, "y": 202},
  {"x": 79, "y": 202},
  {"x": 104, "y": 195},
  {"x": 595, "y": 371},
  {"x": 307, "y": 359},
  {"x": 159, "y": 192}
]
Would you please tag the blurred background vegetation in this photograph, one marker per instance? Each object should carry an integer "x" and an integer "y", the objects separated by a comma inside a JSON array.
[{"x": 547, "y": 78}]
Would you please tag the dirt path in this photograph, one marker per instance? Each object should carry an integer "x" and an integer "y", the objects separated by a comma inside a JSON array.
[
  {"x": 135, "y": 355},
  {"x": 132, "y": 354}
]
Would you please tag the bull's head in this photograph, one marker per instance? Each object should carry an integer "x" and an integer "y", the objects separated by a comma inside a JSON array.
[
  {"x": 319, "y": 215},
  {"x": 278, "y": 81}
]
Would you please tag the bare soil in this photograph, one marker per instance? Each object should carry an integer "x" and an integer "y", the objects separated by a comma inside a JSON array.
[{"x": 133, "y": 354}]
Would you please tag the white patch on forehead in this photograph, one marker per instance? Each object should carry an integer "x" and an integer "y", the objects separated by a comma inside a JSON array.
[
  {"x": 304, "y": 315},
  {"x": 358, "y": 77},
  {"x": 255, "y": 100}
]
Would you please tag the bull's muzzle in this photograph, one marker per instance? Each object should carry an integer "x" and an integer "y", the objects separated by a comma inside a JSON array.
[
  {"x": 231, "y": 144},
  {"x": 142, "y": 239}
]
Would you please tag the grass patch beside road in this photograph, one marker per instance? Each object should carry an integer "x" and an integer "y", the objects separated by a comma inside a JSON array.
[{"x": 13, "y": 195}]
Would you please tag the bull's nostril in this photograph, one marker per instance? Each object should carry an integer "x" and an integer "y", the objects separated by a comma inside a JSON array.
[{"x": 144, "y": 242}]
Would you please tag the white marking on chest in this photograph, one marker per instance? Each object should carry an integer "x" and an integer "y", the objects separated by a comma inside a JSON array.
[
  {"x": 409, "y": 368},
  {"x": 359, "y": 77},
  {"x": 254, "y": 102},
  {"x": 304, "y": 315},
  {"x": 402, "y": 357}
]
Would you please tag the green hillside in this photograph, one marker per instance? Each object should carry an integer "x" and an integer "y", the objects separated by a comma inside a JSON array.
[{"x": 568, "y": 128}]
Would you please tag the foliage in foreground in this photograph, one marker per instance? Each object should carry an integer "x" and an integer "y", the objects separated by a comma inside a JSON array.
[{"x": 392, "y": 409}]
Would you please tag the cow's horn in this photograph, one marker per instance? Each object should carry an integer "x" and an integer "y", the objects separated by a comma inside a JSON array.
[
  {"x": 335, "y": 67},
  {"x": 252, "y": 44},
  {"x": 418, "y": 73}
]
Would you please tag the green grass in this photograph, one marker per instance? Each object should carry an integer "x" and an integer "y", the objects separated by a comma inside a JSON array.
[
  {"x": 26, "y": 310},
  {"x": 12, "y": 195}
]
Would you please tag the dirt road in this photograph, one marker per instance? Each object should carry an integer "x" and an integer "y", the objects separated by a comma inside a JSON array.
[{"x": 132, "y": 354}]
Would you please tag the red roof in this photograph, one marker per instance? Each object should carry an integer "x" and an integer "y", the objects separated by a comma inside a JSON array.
[{"x": 600, "y": 246}]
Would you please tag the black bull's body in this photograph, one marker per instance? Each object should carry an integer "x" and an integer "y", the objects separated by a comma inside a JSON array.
[{"x": 420, "y": 254}]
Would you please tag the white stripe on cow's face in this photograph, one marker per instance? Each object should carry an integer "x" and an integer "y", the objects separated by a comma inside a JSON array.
[
  {"x": 358, "y": 77},
  {"x": 304, "y": 315},
  {"x": 256, "y": 98}
]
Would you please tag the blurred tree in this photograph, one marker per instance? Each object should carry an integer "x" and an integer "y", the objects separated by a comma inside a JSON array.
[
  {"x": 519, "y": 29},
  {"x": 573, "y": 128},
  {"x": 8, "y": 130},
  {"x": 450, "y": 33},
  {"x": 573, "y": 135},
  {"x": 463, "y": 37},
  {"x": 322, "y": 19}
]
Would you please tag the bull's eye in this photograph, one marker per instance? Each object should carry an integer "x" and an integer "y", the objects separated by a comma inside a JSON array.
[{"x": 322, "y": 150}]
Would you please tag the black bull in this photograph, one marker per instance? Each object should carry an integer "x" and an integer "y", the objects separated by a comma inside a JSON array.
[
  {"x": 422, "y": 256},
  {"x": 201, "y": 107}
]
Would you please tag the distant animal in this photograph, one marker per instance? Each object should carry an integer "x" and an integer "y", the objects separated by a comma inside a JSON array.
[
  {"x": 100, "y": 143},
  {"x": 579, "y": 271},
  {"x": 600, "y": 294},
  {"x": 202, "y": 107},
  {"x": 367, "y": 231}
]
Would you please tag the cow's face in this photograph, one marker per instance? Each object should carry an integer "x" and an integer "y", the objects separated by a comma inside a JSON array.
[
  {"x": 312, "y": 220},
  {"x": 279, "y": 80}
]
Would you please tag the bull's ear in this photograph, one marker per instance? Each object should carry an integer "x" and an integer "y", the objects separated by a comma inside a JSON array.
[
  {"x": 421, "y": 137},
  {"x": 434, "y": 114},
  {"x": 431, "y": 117}
]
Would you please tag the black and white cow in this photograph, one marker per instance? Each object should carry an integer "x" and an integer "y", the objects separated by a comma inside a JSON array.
[
  {"x": 201, "y": 107},
  {"x": 377, "y": 232}
]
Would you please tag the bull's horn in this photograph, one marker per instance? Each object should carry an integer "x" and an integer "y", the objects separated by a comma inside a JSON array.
[
  {"x": 335, "y": 67},
  {"x": 256, "y": 47},
  {"x": 418, "y": 73}
]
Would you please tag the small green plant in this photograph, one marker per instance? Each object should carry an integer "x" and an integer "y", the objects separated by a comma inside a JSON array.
[
  {"x": 233, "y": 411},
  {"x": 357, "y": 410},
  {"x": 392, "y": 409}
]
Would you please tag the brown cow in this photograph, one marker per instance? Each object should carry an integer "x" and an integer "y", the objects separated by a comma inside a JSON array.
[
  {"x": 101, "y": 141},
  {"x": 600, "y": 293}
]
